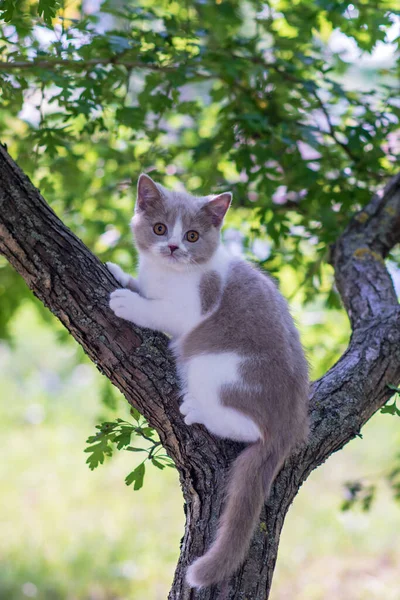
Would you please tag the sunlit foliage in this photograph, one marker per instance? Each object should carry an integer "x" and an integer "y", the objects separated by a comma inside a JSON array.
[{"x": 258, "y": 97}]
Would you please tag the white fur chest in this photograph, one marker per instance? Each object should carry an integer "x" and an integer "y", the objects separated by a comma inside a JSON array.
[{"x": 179, "y": 291}]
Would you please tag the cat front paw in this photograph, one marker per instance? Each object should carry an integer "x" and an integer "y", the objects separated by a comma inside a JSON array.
[
  {"x": 122, "y": 277},
  {"x": 123, "y": 303}
]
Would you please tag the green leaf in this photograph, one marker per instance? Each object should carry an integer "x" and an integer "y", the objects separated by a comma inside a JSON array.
[
  {"x": 135, "y": 414},
  {"x": 158, "y": 464},
  {"x": 136, "y": 477},
  {"x": 123, "y": 438},
  {"x": 130, "y": 117},
  {"x": 7, "y": 8},
  {"x": 390, "y": 409},
  {"x": 98, "y": 452},
  {"x": 48, "y": 8},
  {"x": 147, "y": 431}
]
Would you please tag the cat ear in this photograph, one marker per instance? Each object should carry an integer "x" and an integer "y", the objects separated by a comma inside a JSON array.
[
  {"x": 218, "y": 206},
  {"x": 147, "y": 192}
]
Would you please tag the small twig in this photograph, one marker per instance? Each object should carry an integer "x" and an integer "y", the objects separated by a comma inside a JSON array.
[
  {"x": 331, "y": 129},
  {"x": 51, "y": 63}
]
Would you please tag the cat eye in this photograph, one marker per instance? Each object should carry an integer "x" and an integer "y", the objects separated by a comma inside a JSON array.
[
  {"x": 192, "y": 236},
  {"x": 159, "y": 229}
]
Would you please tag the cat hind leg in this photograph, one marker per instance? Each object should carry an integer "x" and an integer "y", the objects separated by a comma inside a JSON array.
[
  {"x": 229, "y": 423},
  {"x": 207, "y": 375}
]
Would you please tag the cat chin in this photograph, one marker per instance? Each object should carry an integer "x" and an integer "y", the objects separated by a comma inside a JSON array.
[
  {"x": 168, "y": 261},
  {"x": 173, "y": 263}
]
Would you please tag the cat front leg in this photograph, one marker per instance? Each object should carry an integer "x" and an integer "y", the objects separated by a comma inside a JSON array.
[
  {"x": 123, "y": 278},
  {"x": 130, "y": 306},
  {"x": 154, "y": 314}
]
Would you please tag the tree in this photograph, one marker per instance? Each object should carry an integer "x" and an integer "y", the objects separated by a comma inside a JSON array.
[{"x": 249, "y": 96}]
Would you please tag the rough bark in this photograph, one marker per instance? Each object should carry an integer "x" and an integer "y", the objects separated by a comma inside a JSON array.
[{"x": 74, "y": 285}]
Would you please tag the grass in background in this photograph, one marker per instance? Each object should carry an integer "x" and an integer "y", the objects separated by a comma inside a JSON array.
[
  {"x": 67, "y": 532},
  {"x": 72, "y": 534}
]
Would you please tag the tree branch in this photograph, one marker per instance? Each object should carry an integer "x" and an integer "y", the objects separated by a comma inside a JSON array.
[
  {"x": 72, "y": 282},
  {"x": 358, "y": 257},
  {"x": 81, "y": 64}
]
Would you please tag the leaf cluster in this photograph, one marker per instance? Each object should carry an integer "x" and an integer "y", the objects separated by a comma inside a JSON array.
[
  {"x": 358, "y": 494},
  {"x": 118, "y": 434},
  {"x": 251, "y": 96},
  {"x": 362, "y": 493}
]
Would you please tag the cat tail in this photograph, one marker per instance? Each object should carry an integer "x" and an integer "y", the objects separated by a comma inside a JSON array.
[{"x": 249, "y": 484}]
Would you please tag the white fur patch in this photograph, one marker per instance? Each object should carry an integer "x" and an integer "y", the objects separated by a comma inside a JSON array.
[
  {"x": 180, "y": 310},
  {"x": 177, "y": 234},
  {"x": 205, "y": 376}
]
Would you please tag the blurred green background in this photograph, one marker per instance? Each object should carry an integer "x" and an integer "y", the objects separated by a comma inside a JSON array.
[{"x": 293, "y": 105}]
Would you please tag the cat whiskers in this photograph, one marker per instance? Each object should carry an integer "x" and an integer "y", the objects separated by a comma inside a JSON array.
[{"x": 199, "y": 265}]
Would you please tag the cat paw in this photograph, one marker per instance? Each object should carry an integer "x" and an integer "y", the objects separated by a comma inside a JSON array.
[
  {"x": 122, "y": 277},
  {"x": 194, "y": 416},
  {"x": 190, "y": 410},
  {"x": 123, "y": 304},
  {"x": 188, "y": 404}
]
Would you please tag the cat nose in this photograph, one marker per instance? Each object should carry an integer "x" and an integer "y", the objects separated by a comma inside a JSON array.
[{"x": 173, "y": 248}]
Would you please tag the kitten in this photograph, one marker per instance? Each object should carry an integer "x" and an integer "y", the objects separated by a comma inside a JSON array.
[{"x": 243, "y": 371}]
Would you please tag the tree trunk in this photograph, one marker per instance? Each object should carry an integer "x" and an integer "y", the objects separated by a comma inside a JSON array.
[{"x": 75, "y": 286}]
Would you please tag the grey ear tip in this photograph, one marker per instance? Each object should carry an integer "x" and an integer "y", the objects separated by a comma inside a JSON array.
[
  {"x": 145, "y": 180},
  {"x": 230, "y": 195}
]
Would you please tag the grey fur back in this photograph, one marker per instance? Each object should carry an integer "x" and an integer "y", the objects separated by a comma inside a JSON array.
[{"x": 253, "y": 320}]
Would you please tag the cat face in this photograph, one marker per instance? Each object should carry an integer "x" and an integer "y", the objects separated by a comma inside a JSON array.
[{"x": 175, "y": 228}]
